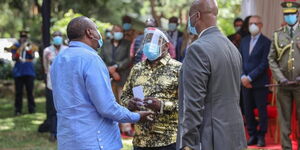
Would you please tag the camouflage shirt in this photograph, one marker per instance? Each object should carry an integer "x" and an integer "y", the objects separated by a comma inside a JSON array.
[{"x": 160, "y": 82}]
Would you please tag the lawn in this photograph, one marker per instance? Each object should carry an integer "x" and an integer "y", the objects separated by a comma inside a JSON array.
[{"x": 20, "y": 133}]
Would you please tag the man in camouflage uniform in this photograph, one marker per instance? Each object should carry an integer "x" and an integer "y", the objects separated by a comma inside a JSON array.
[{"x": 284, "y": 60}]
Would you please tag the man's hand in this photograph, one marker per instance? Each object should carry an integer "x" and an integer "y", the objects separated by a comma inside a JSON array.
[
  {"x": 112, "y": 69},
  {"x": 116, "y": 76},
  {"x": 152, "y": 103},
  {"x": 298, "y": 80},
  {"x": 135, "y": 104},
  {"x": 246, "y": 83},
  {"x": 145, "y": 116}
]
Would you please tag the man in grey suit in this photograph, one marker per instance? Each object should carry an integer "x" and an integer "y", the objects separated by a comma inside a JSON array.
[{"x": 209, "y": 112}]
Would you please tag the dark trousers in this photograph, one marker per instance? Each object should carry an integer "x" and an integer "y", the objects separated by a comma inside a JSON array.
[
  {"x": 256, "y": 98},
  {"x": 50, "y": 111},
  {"x": 169, "y": 147},
  {"x": 285, "y": 99},
  {"x": 28, "y": 81}
]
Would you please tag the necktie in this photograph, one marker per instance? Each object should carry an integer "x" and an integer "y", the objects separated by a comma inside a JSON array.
[
  {"x": 291, "y": 32},
  {"x": 251, "y": 45}
]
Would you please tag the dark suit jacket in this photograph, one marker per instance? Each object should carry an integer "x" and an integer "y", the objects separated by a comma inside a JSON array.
[
  {"x": 209, "y": 92},
  {"x": 178, "y": 46},
  {"x": 121, "y": 58},
  {"x": 255, "y": 65}
]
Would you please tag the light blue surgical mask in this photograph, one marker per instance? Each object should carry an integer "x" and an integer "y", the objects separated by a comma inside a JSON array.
[
  {"x": 151, "y": 51},
  {"x": 118, "y": 35},
  {"x": 57, "y": 40},
  {"x": 100, "y": 41},
  {"x": 108, "y": 35},
  {"x": 191, "y": 28},
  {"x": 291, "y": 19},
  {"x": 127, "y": 26},
  {"x": 172, "y": 26}
]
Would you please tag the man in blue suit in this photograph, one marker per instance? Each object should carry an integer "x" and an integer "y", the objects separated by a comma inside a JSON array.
[{"x": 254, "y": 49}]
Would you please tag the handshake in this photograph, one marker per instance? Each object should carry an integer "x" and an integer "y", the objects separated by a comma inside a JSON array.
[{"x": 135, "y": 104}]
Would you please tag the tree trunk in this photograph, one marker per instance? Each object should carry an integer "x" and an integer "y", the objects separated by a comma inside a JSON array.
[
  {"x": 46, "y": 15},
  {"x": 154, "y": 13}
]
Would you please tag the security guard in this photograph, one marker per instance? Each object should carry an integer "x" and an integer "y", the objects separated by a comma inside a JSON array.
[
  {"x": 284, "y": 60},
  {"x": 23, "y": 71}
]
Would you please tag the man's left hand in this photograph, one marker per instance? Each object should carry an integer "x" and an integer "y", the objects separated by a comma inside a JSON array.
[
  {"x": 112, "y": 69},
  {"x": 152, "y": 103}
]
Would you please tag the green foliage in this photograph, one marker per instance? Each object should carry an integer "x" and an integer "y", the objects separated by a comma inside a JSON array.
[
  {"x": 5, "y": 70},
  {"x": 61, "y": 24}
]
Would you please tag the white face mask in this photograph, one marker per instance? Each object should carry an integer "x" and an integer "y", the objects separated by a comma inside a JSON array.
[{"x": 253, "y": 29}]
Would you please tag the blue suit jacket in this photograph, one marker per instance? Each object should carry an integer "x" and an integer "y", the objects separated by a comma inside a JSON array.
[{"x": 255, "y": 64}]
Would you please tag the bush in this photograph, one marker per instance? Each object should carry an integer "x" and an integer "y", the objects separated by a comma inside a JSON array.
[{"x": 5, "y": 69}]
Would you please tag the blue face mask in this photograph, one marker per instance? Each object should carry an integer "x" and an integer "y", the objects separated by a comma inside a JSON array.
[
  {"x": 108, "y": 35},
  {"x": 151, "y": 51},
  {"x": 191, "y": 28},
  {"x": 57, "y": 40},
  {"x": 127, "y": 26},
  {"x": 291, "y": 19},
  {"x": 118, "y": 36},
  {"x": 172, "y": 26},
  {"x": 100, "y": 41}
]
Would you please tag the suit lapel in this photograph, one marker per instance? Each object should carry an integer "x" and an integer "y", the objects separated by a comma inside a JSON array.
[{"x": 257, "y": 45}]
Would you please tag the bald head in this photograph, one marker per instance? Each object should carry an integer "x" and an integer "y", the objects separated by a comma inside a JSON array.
[
  {"x": 204, "y": 7},
  {"x": 77, "y": 27}
]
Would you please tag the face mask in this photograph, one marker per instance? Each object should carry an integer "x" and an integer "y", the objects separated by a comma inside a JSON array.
[
  {"x": 108, "y": 35},
  {"x": 172, "y": 26},
  {"x": 57, "y": 40},
  {"x": 253, "y": 29},
  {"x": 151, "y": 51},
  {"x": 291, "y": 19},
  {"x": 118, "y": 36},
  {"x": 191, "y": 28},
  {"x": 237, "y": 29},
  {"x": 100, "y": 41},
  {"x": 127, "y": 26}
]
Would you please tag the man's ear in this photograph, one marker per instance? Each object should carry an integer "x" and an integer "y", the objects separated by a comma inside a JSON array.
[{"x": 88, "y": 33}]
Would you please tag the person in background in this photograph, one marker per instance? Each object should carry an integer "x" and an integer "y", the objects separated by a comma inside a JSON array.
[
  {"x": 255, "y": 50},
  {"x": 116, "y": 55},
  {"x": 49, "y": 54},
  {"x": 176, "y": 37},
  {"x": 87, "y": 111},
  {"x": 129, "y": 33},
  {"x": 209, "y": 87},
  {"x": 108, "y": 35},
  {"x": 158, "y": 75},
  {"x": 136, "y": 53},
  {"x": 284, "y": 61},
  {"x": 244, "y": 31},
  {"x": 23, "y": 71},
  {"x": 236, "y": 37}
]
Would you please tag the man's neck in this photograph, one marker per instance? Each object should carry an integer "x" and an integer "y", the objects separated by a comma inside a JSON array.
[{"x": 57, "y": 47}]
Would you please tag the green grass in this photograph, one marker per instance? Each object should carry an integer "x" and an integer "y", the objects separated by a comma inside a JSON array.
[{"x": 20, "y": 133}]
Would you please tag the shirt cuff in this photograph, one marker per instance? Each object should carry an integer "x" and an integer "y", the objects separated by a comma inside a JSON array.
[
  {"x": 249, "y": 78},
  {"x": 136, "y": 117}
]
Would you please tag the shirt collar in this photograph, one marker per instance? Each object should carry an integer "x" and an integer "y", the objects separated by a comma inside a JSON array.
[
  {"x": 256, "y": 36},
  {"x": 294, "y": 27},
  {"x": 205, "y": 30},
  {"x": 164, "y": 61},
  {"x": 81, "y": 44}
]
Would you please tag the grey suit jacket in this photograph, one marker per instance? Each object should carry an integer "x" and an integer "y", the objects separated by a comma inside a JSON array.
[
  {"x": 209, "y": 92},
  {"x": 121, "y": 58}
]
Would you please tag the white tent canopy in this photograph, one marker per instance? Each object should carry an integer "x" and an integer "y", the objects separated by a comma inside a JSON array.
[{"x": 269, "y": 10}]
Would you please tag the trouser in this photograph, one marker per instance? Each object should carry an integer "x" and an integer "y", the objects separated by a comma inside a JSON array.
[
  {"x": 28, "y": 81},
  {"x": 169, "y": 147},
  {"x": 285, "y": 97},
  {"x": 50, "y": 111},
  {"x": 256, "y": 98}
]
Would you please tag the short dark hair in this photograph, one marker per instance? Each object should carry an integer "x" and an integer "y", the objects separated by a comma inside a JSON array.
[
  {"x": 237, "y": 20},
  {"x": 77, "y": 26},
  {"x": 173, "y": 19},
  {"x": 126, "y": 19}
]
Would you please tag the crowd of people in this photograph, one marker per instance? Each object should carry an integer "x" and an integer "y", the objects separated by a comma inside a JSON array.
[{"x": 167, "y": 90}]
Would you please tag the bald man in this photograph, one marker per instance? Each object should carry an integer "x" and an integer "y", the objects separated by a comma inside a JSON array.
[
  {"x": 87, "y": 112},
  {"x": 209, "y": 112}
]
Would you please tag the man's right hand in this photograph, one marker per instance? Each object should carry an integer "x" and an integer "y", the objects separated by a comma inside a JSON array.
[
  {"x": 145, "y": 116},
  {"x": 246, "y": 83}
]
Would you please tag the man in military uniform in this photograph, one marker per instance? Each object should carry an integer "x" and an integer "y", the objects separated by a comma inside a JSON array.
[
  {"x": 284, "y": 60},
  {"x": 23, "y": 71}
]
